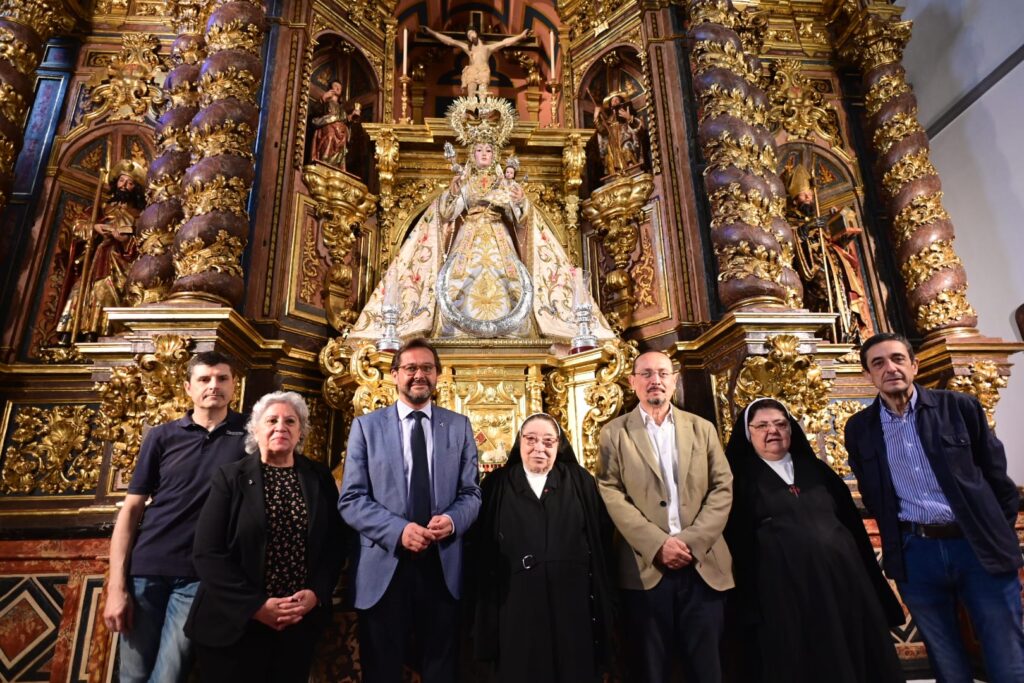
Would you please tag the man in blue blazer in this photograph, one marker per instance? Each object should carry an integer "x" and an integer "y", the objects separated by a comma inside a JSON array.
[
  {"x": 410, "y": 491},
  {"x": 934, "y": 476}
]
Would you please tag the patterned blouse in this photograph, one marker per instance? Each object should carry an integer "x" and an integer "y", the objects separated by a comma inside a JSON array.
[{"x": 287, "y": 521}]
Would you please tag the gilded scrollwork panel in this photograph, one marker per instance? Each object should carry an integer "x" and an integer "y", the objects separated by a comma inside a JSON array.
[
  {"x": 52, "y": 450},
  {"x": 148, "y": 392}
]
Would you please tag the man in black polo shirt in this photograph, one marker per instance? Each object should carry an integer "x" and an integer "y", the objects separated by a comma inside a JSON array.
[{"x": 152, "y": 580}]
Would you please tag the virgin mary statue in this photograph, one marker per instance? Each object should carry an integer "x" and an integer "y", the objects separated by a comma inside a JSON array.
[{"x": 481, "y": 261}]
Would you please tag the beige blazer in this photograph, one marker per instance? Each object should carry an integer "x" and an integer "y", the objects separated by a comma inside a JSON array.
[{"x": 631, "y": 485}]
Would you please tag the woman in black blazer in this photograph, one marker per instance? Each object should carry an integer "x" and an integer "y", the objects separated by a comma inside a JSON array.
[{"x": 268, "y": 550}]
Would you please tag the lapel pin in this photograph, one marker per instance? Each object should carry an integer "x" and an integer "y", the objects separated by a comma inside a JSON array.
[{"x": 250, "y": 482}]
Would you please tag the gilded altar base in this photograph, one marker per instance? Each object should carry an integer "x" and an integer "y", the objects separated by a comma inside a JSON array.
[{"x": 497, "y": 383}]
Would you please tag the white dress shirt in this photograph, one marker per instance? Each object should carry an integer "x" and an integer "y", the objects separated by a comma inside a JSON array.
[
  {"x": 663, "y": 438},
  {"x": 404, "y": 410}
]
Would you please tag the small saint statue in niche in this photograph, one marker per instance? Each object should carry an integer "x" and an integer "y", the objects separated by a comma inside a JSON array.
[
  {"x": 100, "y": 257},
  {"x": 827, "y": 259},
  {"x": 620, "y": 144},
  {"x": 476, "y": 76},
  {"x": 334, "y": 127}
]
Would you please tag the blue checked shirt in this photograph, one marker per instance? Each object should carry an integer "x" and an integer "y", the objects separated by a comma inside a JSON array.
[{"x": 921, "y": 498}]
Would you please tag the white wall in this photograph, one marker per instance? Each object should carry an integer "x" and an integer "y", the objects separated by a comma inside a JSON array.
[{"x": 980, "y": 157}]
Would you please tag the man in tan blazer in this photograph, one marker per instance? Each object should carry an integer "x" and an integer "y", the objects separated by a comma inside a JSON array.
[{"x": 668, "y": 488}]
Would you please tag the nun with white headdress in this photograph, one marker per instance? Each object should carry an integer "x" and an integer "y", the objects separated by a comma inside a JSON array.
[
  {"x": 809, "y": 589},
  {"x": 543, "y": 595}
]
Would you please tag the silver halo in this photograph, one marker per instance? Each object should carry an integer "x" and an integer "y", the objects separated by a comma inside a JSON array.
[{"x": 499, "y": 327}]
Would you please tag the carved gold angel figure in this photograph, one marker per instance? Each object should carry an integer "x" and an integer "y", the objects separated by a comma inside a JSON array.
[{"x": 482, "y": 261}]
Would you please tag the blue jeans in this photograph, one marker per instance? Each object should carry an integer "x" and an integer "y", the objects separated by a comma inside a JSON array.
[
  {"x": 942, "y": 571},
  {"x": 155, "y": 648}
]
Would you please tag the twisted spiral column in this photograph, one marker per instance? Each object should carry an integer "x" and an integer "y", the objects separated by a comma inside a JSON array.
[
  {"x": 25, "y": 26},
  {"x": 922, "y": 232},
  {"x": 753, "y": 243},
  {"x": 208, "y": 246},
  {"x": 153, "y": 272}
]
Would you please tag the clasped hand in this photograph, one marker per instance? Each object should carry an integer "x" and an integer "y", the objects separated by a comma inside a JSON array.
[
  {"x": 674, "y": 554},
  {"x": 417, "y": 538},
  {"x": 280, "y": 613}
]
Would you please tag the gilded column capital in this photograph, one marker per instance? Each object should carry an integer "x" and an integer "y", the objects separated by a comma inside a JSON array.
[
  {"x": 44, "y": 17},
  {"x": 878, "y": 40}
]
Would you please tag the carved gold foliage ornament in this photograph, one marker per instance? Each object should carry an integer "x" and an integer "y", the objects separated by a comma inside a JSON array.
[
  {"x": 45, "y": 17},
  {"x": 715, "y": 55},
  {"x": 220, "y": 194},
  {"x": 742, "y": 260},
  {"x": 12, "y": 104},
  {"x": 334, "y": 361},
  {"x": 52, "y": 451},
  {"x": 188, "y": 16},
  {"x": 895, "y": 129},
  {"x": 787, "y": 375},
  {"x": 230, "y": 137},
  {"x": 556, "y": 393},
  {"x": 235, "y": 35},
  {"x": 174, "y": 138},
  {"x": 185, "y": 93},
  {"x": 129, "y": 88},
  {"x": 879, "y": 40},
  {"x": 315, "y": 447},
  {"x": 743, "y": 154},
  {"x": 983, "y": 381},
  {"x": 155, "y": 242},
  {"x": 16, "y": 52},
  {"x": 642, "y": 272},
  {"x": 920, "y": 267},
  {"x": 838, "y": 412},
  {"x": 605, "y": 396},
  {"x": 922, "y": 210},
  {"x": 221, "y": 255},
  {"x": 241, "y": 84},
  {"x": 948, "y": 306},
  {"x": 884, "y": 89},
  {"x": 372, "y": 392},
  {"x": 731, "y": 205},
  {"x": 717, "y": 101},
  {"x": 150, "y": 392},
  {"x": 723, "y": 404},
  {"x": 911, "y": 167},
  {"x": 712, "y": 12},
  {"x": 309, "y": 283},
  {"x": 797, "y": 107}
]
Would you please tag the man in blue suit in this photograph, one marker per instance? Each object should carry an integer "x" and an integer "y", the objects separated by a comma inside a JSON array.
[
  {"x": 410, "y": 491},
  {"x": 934, "y": 476}
]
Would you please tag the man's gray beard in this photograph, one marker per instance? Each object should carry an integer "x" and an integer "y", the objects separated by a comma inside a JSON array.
[{"x": 656, "y": 400}]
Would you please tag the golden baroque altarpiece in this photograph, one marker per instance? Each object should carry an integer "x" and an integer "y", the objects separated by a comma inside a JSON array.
[{"x": 287, "y": 153}]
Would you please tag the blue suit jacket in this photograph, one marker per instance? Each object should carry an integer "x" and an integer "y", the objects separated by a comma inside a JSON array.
[
  {"x": 374, "y": 495},
  {"x": 969, "y": 464}
]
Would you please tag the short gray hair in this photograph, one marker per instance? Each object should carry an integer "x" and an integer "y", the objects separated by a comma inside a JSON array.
[{"x": 297, "y": 403}]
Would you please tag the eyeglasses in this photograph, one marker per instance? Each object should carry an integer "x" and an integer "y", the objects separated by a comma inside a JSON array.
[
  {"x": 781, "y": 425},
  {"x": 425, "y": 368},
  {"x": 549, "y": 441},
  {"x": 660, "y": 374}
]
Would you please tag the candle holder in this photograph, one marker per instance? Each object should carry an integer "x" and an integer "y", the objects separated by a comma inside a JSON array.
[
  {"x": 405, "y": 118},
  {"x": 389, "y": 341},
  {"x": 555, "y": 88},
  {"x": 584, "y": 339}
]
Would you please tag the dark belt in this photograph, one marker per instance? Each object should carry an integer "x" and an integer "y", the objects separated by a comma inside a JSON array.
[{"x": 951, "y": 530}]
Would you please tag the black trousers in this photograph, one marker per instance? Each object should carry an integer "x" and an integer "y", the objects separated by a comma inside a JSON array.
[
  {"x": 417, "y": 603},
  {"x": 681, "y": 614},
  {"x": 263, "y": 654}
]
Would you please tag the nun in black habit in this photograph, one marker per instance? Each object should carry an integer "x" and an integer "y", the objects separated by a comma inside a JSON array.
[
  {"x": 812, "y": 601},
  {"x": 543, "y": 594}
]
